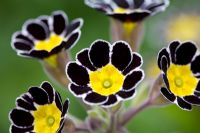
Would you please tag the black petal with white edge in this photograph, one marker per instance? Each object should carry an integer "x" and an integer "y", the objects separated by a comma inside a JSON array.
[{"x": 105, "y": 73}]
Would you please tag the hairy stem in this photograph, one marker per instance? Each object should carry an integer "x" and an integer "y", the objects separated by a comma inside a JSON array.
[
  {"x": 55, "y": 65},
  {"x": 153, "y": 95},
  {"x": 131, "y": 34},
  {"x": 133, "y": 111},
  {"x": 112, "y": 126},
  {"x": 83, "y": 127}
]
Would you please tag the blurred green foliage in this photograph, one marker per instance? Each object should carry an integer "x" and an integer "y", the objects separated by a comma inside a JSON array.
[{"x": 17, "y": 74}]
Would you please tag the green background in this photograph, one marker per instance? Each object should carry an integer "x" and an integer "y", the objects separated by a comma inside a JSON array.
[{"x": 17, "y": 74}]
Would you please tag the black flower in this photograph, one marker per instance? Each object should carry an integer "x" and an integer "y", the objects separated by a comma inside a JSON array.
[
  {"x": 105, "y": 74},
  {"x": 46, "y": 35},
  {"x": 181, "y": 72},
  {"x": 40, "y": 110},
  {"x": 129, "y": 10}
]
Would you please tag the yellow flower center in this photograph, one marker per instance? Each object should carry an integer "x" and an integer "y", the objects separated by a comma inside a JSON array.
[
  {"x": 107, "y": 80},
  {"x": 121, "y": 10},
  {"x": 181, "y": 80},
  {"x": 178, "y": 81},
  {"x": 53, "y": 41},
  {"x": 107, "y": 84},
  {"x": 50, "y": 121},
  {"x": 184, "y": 27},
  {"x": 46, "y": 118}
]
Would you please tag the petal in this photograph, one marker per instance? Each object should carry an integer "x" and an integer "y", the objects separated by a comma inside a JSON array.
[
  {"x": 37, "y": 30},
  {"x": 21, "y": 118},
  {"x": 133, "y": 17},
  {"x": 168, "y": 95},
  {"x": 164, "y": 64},
  {"x": 195, "y": 66},
  {"x": 121, "y": 55},
  {"x": 20, "y": 36},
  {"x": 99, "y": 53},
  {"x": 172, "y": 48},
  {"x": 25, "y": 105},
  {"x": 37, "y": 54},
  {"x": 136, "y": 62},
  {"x": 185, "y": 52},
  {"x": 27, "y": 98},
  {"x": 49, "y": 90},
  {"x": 75, "y": 71},
  {"x": 21, "y": 45},
  {"x": 112, "y": 99},
  {"x": 198, "y": 87},
  {"x": 192, "y": 99},
  {"x": 165, "y": 80},
  {"x": 65, "y": 108},
  {"x": 83, "y": 58},
  {"x": 14, "y": 129},
  {"x": 196, "y": 93},
  {"x": 59, "y": 22},
  {"x": 155, "y": 7},
  {"x": 74, "y": 25},
  {"x": 72, "y": 39},
  {"x": 133, "y": 79},
  {"x": 99, "y": 5},
  {"x": 126, "y": 94},
  {"x": 45, "y": 20},
  {"x": 138, "y": 3},
  {"x": 122, "y": 3},
  {"x": 39, "y": 95},
  {"x": 58, "y": 101},
  {"x": 94, "y": 98},
  {"x": 58, "y": 48},
  {"x": 79, "y": 90},
  {"x": 62, "y": 122},
  {"x": 163, "y": 53},
  {"x": 183, "y": 105}
]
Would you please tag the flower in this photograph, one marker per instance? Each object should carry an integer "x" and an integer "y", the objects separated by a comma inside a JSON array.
[
  {"x": 183, "y": 27},
  {"x": 105, "y": 74},
  {"x": 46, "y": 35},
  {"x": 179, "y": 64},
  {"x": 129, "y": 10},
  {"x": 40, "y": 110}
]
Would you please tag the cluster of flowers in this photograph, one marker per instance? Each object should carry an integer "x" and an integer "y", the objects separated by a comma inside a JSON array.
[{"x": 103, "y": 74}]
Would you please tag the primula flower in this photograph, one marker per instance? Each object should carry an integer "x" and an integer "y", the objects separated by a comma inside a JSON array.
[
  {"x": 181, "y": 72},
  {"x": 40, "y": 110},
  {"x": 46, "y": 35},
  {"x": 105, "y": 74},
  {"x": 183, "y": 27},
  {"x": 128, "y": 10}
]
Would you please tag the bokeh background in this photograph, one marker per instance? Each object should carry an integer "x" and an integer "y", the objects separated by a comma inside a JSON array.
[{"x": 17, "y": 74}]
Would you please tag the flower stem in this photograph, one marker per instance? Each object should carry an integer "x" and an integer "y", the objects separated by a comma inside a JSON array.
[
  {"x": 153, "y": 95},
  {"x": 83, "y": 127},
  {"x": 127, "y": 31},
  {"x": 55, "y": 67},
  {"x": 113, "y": 122},
  {"x": 133, "y": 111}
]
